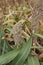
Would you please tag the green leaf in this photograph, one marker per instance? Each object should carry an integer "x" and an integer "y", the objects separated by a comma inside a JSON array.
[
  {"x": 1, "y": 35},
  {"x": 37, "y": 47},
  {"x": 6, "y": 58},
  {"x": 39, "y": 35},
  {"x": 22, "y": 56},
  {"x": 26, "y": 62},
  {"x": 4, "y": 44},
  {"x": 33, "y": 60},
  {"x": 9, "y": 29}
]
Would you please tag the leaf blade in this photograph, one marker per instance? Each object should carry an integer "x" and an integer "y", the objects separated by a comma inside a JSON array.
[
  {"x": 24, "y": 53},
  {"x": 33, "y": 60},
  {"x": 6, "y": 58}
]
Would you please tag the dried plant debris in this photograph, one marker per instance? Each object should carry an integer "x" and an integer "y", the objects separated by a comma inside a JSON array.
[
  {"x": 17, "y": 33},
  {"x": 1, "y": 17},
  {"x": 36, "y": 6},
  {"x": 18, "y": 19}
]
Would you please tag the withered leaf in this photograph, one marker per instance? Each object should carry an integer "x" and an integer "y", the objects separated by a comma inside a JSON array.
[{"x": 17, "y": 33}]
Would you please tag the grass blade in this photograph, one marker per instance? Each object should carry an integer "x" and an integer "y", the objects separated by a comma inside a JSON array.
[
  {"x": 24, "y": 52},
  {"x": 38, "y": 35},
  {"x": 33, "y": 60},
  {"x": 6, "y": 58}
]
